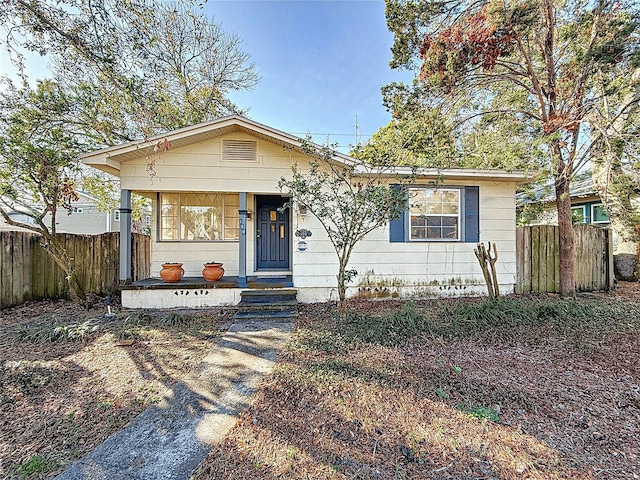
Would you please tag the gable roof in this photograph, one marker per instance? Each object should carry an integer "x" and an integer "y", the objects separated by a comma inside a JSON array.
[{"x": 110, "y": 159}]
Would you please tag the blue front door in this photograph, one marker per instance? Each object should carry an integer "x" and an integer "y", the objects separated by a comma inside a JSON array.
[{"x": 272, "y": 234}]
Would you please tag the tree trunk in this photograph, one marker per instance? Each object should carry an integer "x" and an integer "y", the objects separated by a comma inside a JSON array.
[
  {"x": 342, "y": 294},
  {"x": 76, "y": 292},
  {"x": 58, "y": 252},
  {"x": 565, "y": 228},
  {"x": 606, "y": 166},
  {"x": 618, "y": 204},
  {"x": 621, "y": 215}
]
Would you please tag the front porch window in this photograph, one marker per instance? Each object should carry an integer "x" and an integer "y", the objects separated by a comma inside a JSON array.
[{"x": 199, "y": 216}]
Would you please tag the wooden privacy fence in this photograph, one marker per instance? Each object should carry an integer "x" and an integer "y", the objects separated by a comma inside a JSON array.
[
  {"x": 27, "y": 271},
  {"x": 538, "y": 265}
]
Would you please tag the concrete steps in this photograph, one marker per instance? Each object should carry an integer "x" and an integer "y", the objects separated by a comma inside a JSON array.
[{"x": 273, "y": 304}]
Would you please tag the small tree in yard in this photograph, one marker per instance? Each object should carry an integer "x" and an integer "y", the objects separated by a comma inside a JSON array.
[
  {"x": 350, "y": 199},
  {"x": 540, "y": 58},
  {"x": 38, "y": 163}
]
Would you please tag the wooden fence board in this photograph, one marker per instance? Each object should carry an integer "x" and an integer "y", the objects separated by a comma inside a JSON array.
[
  {"x": 28, "y": 272},
  {"x": 538, "y": 265}
]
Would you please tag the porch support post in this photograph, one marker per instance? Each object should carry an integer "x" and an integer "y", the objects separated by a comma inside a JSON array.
[
  {"x": 125, "y": 237},
  {"x": 242, "y": 244}
]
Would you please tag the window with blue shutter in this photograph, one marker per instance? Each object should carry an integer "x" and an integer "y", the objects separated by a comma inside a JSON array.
[{"x": 439, "y": 214}]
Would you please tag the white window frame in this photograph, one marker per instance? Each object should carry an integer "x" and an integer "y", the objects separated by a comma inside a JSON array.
[
  {"x": 459, "y": 215},
  {"x": 584, "y": 212},
  {"x": 593, "y": 206},
  {"x": 179, "y": 222},
  {"x": 78, "y": 210},
  {"x": 116, "y": 215}
]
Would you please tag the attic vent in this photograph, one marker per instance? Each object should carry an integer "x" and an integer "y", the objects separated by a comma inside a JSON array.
[{"x": 239, "y": 151}]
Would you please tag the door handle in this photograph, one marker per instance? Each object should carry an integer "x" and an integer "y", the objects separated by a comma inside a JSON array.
[{"x": 258, "y": 235}]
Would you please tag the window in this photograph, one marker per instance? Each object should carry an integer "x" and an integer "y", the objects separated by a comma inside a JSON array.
[
  {"x": 578, "y": 214},
  {"x": 435, "y": 213},
  {"x": 78, "y": 210},
  {"x": 466, "y": 211},
  {"x": 147, "y": 220},
  {"x": 199, "y": 216},
  {"x": 599, "y": 214},
  {"x": 116, "y": 215}
]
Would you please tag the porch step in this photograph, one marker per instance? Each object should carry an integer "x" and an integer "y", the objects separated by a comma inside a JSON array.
[{"x": 267, "y": 304}]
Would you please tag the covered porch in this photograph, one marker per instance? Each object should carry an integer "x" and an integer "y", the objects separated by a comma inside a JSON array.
[{"x": 195, "y": 292}]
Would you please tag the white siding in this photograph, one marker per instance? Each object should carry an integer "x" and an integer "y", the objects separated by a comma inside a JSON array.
[
  {"x": 415, "y": 269},
  {"x": 411, "y": 269},
  {"x": 199, "y": 167}
]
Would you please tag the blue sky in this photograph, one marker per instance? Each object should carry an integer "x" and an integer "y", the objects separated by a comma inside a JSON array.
[{"x": 322, "y": 64}]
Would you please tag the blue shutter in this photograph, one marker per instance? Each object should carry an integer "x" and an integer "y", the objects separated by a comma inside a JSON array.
[
  {"x": 471, "y": 214},
  {"x": 397, "y": 225}
]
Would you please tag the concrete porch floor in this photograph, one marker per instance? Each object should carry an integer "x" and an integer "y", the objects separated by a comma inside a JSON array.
[{"x": 228, "y": 281}]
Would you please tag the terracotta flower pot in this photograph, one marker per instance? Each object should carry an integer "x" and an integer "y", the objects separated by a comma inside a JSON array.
[
  {"x": 171, "y": 272},
  {"x": 212, "y": 272}
]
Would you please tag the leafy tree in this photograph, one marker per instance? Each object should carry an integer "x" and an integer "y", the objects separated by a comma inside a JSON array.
[
  {"x": 38, "y": 167},
  {"x": 122, "y": 70},
  {"x": 95, "y": 31},
  {"x": 424, "y": 139},
  {"x": 615, "y": 166},
  {"x": 350, "y": 199},
  {"x": 546, "y": 53},
  {"x": 183, "y": 76}
]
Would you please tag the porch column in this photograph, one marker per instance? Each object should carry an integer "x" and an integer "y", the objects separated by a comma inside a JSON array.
[
  {"x": 125, "y": 237},
  {"x": 242, "y": 244}
]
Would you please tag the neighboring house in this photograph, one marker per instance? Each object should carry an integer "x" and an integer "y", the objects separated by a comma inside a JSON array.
[
  {"x": 85, "y": 219},
  {"x": 215, "y": 198},
  {"x": 586, "y": 205}
]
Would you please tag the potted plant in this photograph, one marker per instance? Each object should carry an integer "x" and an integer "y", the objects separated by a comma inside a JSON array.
[
  {"x": 171, "y": 272},
  {"x": 212, "y": 271}
]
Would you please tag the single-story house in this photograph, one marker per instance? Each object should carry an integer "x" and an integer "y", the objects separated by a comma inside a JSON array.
[{"x": 215, "y": 197}]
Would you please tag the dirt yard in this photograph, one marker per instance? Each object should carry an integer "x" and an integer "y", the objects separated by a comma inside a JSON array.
[
  {"x": 432, "y": 408},
  {"x": 64, "y": 391}
]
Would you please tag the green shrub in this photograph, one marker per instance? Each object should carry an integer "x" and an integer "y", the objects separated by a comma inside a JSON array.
[
  {"x": 43, "y": 333},
  {"x": 175, "y": 319},
  {"x": 390, "y": 328}
]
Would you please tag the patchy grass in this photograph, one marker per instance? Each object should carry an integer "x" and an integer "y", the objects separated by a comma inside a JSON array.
[
  {"x": 35, "y": 466},
  {"x": 537, "y": 387},
  {"x": 66, "y": 385}
]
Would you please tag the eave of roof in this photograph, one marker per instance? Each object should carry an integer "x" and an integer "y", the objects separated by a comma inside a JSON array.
[
  {"x": 465, "y": 174},
  {"x": 109, "y": 159}
]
